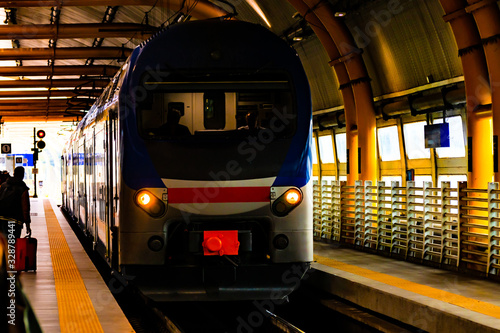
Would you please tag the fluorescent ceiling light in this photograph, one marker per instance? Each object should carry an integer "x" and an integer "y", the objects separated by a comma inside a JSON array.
[{"x": 259, "y": 11}]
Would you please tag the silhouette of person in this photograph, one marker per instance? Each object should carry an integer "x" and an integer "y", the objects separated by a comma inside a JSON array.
[
  {"x": 172, "y": 128},
  {"x": 19, "y": 209},
  {"x": 252, "y": 122}
]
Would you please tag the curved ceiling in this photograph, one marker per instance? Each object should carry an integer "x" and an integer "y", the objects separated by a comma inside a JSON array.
[{"x": 64, "y": 52}]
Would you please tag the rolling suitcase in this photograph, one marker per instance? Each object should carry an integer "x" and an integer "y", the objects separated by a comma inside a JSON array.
[{"x": 26, "y": 254}]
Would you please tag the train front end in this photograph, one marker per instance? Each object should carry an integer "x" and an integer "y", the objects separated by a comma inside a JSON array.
[{"x": 216, "y": 194}]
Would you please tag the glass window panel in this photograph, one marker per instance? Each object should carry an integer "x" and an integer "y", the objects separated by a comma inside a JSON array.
[
  {"x": 389, "y": 179},
  {"x": 453, "y": 179},
  {"x": 328, "y": 179},
  {"x": 457, "y": 144},
  {"x": 419, "y": 180},
  {"x": 414, "y": 140},
  {"x": 326, "y": 149},
  {"x": 388, "y": 143},
  {"x": 340, "y": 141},
  {"x": 314, "y": 155}
]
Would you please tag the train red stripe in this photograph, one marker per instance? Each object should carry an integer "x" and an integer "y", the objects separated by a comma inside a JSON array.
[{"x": 218, "y": 194}]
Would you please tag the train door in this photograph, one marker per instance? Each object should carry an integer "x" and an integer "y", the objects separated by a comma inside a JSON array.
[
  {"x": 114, "y": 190},
  {"x": 82, "y": 194},
  {"x": 70, "y": 181},
  {"x": 90, "y": 182},
  {"x": 101, "y": 188},
  {"x": 75, "y": 181},
  {"x": 63, "y": 181}
]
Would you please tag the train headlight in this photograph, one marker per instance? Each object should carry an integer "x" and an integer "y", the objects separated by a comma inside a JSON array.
[
  {"x": 293, "y": 196},
  {"x": 287, "y": 201},
  {"x": 148, "y": 202},
  {"x": 143, "y": 198}
]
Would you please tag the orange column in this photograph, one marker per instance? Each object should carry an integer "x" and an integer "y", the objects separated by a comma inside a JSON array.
[
  {"x": 477, "y": 91},
  {"x": 343, "y": 78},
  {"x": 487, "y": 16},
  {"x": 360, "y": 82}
]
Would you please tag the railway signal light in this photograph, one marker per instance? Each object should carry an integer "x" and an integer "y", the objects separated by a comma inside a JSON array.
[
  {"x": 40, "y": 134},
  {"x": 40, "y": 144}
]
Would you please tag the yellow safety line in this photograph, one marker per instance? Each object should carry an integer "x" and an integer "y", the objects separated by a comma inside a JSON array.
[
  {"x": 76, "y": 312},
  {"x": 458, "y": 300}
]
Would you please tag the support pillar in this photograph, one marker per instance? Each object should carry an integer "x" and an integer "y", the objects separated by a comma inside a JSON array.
[
  {"x": 479, "y": 138},
  {"x": 360, "y": 83},
  {"x": 487, "y": 17},
  {"x": 346, "y": 89}
]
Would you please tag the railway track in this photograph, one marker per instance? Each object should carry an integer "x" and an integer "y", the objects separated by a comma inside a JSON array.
[{"x": 306, "y": 311}]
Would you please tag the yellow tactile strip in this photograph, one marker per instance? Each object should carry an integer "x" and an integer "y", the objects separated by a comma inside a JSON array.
[
  {"x": 441, "y": 295},
  {"x": 76, "y": 312}
]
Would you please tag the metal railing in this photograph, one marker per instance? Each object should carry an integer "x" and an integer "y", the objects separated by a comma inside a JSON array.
[{"x": 457, "y": 228}]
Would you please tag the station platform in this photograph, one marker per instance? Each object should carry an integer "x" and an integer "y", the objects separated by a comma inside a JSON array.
[
  {"x": 66, "y": 292},
  {"x": 431, "y": 299}
]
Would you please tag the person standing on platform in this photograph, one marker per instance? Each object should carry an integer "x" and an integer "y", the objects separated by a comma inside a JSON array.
[
  {"x": 4, "y": 176},
  {"x": 15, "y": 204}
]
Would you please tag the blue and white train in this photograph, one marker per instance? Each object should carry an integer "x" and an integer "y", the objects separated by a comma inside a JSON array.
[{"x": 207, "y": 208}]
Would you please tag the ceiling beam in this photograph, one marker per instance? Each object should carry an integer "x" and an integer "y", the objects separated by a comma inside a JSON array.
[
  {"x": 200, "y": 9},
  {"x": 26, "y": 108},
  {"x": 58, "y": 70},
  {"x": 43, "y": 117},
  {"x": 5, "y": 103},
  {"x": 61, "y": 83},
  {"x": 52, "y": 93},
  {"x": 52, "y": 31},
  {"x": 50, "y": 108},
  {"x": 64, "y": 53}
]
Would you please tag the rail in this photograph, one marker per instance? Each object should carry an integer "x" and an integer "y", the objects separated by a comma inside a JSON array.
[{"x": 454, "y": 228}]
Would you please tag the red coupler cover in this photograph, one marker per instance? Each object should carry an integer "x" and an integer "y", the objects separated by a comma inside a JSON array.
[
  {"x": 220, "y": 242},
  {"x": 26, "y": 254}
]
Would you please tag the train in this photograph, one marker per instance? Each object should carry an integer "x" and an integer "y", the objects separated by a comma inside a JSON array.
[{"x": 176, "y": 190}]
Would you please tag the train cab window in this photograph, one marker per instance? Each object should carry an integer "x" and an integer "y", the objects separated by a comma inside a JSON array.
[
  {"x": 457, "y": 144},
  {"x": 326, "y": 149},
  {"x": 340, "y": 142},
  {"x": 314, "y": 155},
  {"x": 415, "y": 141},
  {"x": 388, "y": 143},
  {"x": 216, "y": 107}
]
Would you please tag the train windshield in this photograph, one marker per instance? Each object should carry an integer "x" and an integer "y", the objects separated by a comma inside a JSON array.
[{"x": 180, "y": 108}]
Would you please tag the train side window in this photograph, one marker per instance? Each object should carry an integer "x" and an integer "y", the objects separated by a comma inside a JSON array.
[
  {"x": 415, "y": 141},
  {"x": 340, "y": 141},
  {"x": 214, "y": 112},
  {"x": 457, "y": 144},
  {"x": 326, "y": 149},
  {"x": 388, "y": 143}
]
